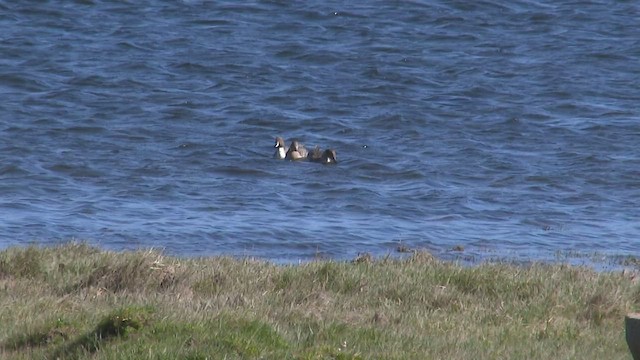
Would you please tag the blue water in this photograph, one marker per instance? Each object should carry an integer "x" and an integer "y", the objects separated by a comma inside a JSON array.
[{"x": 510, "y": 128}]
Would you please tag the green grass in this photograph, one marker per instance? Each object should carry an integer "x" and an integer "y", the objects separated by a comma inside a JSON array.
[{"x": 76, "y": 301}]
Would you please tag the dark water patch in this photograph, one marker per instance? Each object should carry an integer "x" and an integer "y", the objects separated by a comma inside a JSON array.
[
  {"x": 75, "y": 170},
  {"x": 86, "y": 129},
  {"x": 22, "y": 82},
  {"x": 239, "y": 171},
  {"x": 12, "y": 171}
]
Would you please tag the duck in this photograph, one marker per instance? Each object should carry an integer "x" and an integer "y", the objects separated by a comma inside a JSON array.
[
  {"x": 281, "y": 149},
  {"x": 328, "y": 156},
  {"x": 296, "y": 151}
]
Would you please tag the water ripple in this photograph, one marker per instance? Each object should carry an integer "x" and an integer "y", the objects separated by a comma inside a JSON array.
[{"x": 508, "y": 128}]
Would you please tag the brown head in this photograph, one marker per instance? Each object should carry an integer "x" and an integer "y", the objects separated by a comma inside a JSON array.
[{"x": 279, "y": 142}]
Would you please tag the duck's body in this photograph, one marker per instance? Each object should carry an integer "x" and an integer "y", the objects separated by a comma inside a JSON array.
[
  {"x": 315, "y": 154},
  {"x": 296, "y": 151},
  {"x": 281, "y": 149}
]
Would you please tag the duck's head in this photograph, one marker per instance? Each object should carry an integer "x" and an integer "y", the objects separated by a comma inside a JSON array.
[
  {"x": 330, "y": 157},
  {"x": 279, "y": 142}
]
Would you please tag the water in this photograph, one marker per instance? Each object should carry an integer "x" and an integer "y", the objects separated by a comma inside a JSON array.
[{"x": 510, "y": 128}]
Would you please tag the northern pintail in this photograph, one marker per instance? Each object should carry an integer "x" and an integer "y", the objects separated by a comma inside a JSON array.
[
  {"x": 328, "y": 156},
  {"x": 296, "y": 151},
  {"x": 281, "y": 150}
]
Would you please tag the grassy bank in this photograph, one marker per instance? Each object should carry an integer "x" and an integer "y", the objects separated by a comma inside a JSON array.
[{"x": 76, "y": 301}]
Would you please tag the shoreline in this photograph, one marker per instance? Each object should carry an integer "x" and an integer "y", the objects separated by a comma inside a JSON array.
[
  {"x": 76, "y": 300},
  {"x": 458, "y": 254}
]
